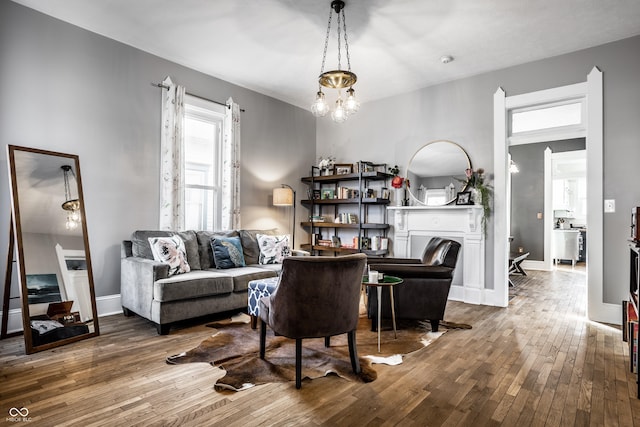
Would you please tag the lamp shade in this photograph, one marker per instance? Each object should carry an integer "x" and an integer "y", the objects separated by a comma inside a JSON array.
[{"x": 282, "y": 197}]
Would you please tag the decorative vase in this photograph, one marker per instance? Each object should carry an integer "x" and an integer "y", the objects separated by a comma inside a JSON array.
[
  {"x": 398, "y": 196},
  {"x": 476, "y": 196}
]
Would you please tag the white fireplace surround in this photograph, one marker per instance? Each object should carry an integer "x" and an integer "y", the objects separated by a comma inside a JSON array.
[{"x": 414, "y": 226}]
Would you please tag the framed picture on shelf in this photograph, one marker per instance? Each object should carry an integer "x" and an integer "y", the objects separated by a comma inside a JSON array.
[
  {"x": 464, "y": 198},
  {"x": 316, "y": 194},
  {"x": 328, "y": 194},
  {"x": 343, "y": 168}
]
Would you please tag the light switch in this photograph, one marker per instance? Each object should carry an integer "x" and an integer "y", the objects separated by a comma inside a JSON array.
[{"x": 610, "y": 205}]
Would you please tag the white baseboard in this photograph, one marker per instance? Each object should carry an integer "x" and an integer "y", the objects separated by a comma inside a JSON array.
[{"x": 107, "y": 306}]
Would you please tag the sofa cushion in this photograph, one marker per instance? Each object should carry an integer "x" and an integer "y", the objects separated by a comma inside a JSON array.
[
  {"x": 242, "y": 276},
  {"x": 204, "y": 246},
  {"x": 140, "y": 244},
  {"x": 170, "y": 250},
  {"x": 273, "y": 249},
  {"x": 199, "y": 283},
  {"x": 250, "y": 244},
  {"x": 227, "y": 252}
]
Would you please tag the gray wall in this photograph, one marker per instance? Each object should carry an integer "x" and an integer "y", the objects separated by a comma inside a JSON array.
[
  {"x": 68, "y": 90},
  {"x": 392, "y": 129},
  {"x": 527, "y": 193}
]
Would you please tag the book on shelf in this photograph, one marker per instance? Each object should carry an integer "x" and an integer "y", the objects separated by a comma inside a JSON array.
[
  {"x": 346, "y": 218},
  {"x": 347, "y": 193},
  {"x": 316, "y": 218}
]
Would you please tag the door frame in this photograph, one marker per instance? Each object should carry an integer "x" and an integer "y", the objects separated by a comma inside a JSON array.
[{"x": 592, "y": 90}]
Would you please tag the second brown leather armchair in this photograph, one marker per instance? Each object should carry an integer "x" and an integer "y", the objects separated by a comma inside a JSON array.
[{"x": 424, "y": 292}]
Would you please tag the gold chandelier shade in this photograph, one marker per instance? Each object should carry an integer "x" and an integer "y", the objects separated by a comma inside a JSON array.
[{"x": 337, "y": 79}]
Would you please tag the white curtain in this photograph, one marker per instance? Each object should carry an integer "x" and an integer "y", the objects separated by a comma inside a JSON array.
[
  {"x": 231, "y": 168},
  {"x": 172, "y": 157}
]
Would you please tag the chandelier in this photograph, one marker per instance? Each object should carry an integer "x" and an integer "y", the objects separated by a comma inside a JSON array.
[
  {"x": 70, "y": 205},
  {"x": 336, "y": 79}
]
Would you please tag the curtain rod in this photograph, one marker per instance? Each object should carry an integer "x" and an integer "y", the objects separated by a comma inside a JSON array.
[{"x": 160, "y": 85}]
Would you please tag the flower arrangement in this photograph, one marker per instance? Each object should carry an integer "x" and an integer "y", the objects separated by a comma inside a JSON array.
[
  {"x": 326, "y": 163},
  {"x": 475, "y": 182},
  {"x": 397, "y": 181}
]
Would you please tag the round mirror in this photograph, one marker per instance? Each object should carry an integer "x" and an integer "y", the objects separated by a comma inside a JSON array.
[{"x": 434, "y": 172}]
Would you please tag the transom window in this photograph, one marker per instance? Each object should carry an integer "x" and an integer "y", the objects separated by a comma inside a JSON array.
[{"x": 546, "y": 117}]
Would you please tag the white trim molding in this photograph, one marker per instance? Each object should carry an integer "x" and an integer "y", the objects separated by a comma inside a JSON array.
[{"x": 592, "y": 91}]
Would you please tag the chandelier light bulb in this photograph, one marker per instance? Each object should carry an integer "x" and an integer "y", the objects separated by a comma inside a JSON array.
[
  {"x": 339, "y": 114},
  {"x": 319, "y": 108},
  {"x": 71, "y": 224},
  {"x": 352, "y": 105},
  {"x": 75, "y": 216}
]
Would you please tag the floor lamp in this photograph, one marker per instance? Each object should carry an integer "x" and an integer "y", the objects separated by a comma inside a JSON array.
[{"x": 286, "y": 196}]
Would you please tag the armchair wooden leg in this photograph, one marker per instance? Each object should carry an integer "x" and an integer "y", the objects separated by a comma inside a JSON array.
[
  {"x": 434, "y": 325},
  {"x": 353, "y": 352},
  {"x": 263, "y": 337},
  {"x": 298, "y": 363},
  {"x": 327, "y": 342}
]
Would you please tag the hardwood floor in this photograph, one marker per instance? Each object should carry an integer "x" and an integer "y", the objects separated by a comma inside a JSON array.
[{"x": 537, "y": 362}]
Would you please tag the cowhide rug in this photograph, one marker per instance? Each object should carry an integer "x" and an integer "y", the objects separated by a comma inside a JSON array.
[{"x": 234, "y": 347}]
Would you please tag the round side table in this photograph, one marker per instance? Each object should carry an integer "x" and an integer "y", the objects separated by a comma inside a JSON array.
[{"x": 390, "y": 281}]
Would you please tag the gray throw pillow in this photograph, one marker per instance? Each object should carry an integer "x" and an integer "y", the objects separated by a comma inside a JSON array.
[
  {"x": 140, "y": 244},
  {"x": 204, "y": 246},
  {"x": 250, "y": 246}
]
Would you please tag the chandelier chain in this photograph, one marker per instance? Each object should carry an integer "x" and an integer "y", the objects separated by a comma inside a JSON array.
[
  {"x": 346, "y": 42},
  {"x": 326, "y": 43},
  {"x": 339, "y": 65}
]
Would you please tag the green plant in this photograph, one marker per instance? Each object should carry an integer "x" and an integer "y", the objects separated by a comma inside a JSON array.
[{"x": 475, "y": 179}]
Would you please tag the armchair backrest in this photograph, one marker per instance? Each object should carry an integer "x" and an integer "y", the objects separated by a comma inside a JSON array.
[
  {"x": 317, "y": 296},
  {"x": 441, "y": 251}
]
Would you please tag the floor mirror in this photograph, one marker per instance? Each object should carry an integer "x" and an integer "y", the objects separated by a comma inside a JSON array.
[{"x": 53, "y": 258}]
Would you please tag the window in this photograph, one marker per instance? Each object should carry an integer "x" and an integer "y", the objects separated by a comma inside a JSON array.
[{"x": 203, "y": 133}]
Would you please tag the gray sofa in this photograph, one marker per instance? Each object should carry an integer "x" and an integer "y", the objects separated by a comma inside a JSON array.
[{"x": 149, "y": 291}]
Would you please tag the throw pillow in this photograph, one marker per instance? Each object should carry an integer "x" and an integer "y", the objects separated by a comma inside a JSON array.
[
  {"x": 273, "y": 249},
  {"x": 170, "y": 250},
  {"x": 227, "y": 252}
]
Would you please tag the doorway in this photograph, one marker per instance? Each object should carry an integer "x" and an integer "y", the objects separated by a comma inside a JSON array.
[{"x": 548, "y": 193}]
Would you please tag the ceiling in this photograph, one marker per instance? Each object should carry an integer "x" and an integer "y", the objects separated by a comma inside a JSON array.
[{"x": 275, "y": 46}]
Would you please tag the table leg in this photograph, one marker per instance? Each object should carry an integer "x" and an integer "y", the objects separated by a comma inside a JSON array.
[
  {"x": 379, "y": 289},
  {"x": 393, "y": 312}
]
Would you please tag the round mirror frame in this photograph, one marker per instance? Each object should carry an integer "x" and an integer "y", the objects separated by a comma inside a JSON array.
[{"x": 467, "y": 165}]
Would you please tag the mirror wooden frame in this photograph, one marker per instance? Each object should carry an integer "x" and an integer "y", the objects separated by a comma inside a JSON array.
[
  {"x": 18, "y": 239},
  {"x": 461, "y": 171}
]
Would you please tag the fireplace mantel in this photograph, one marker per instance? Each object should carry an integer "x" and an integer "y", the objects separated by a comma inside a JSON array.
[{"x": 413, "y": 226}]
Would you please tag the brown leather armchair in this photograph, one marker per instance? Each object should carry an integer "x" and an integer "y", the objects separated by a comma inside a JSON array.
[
  {"x": 424, "y": 292},
  {"x": 316, "y": 297}
]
